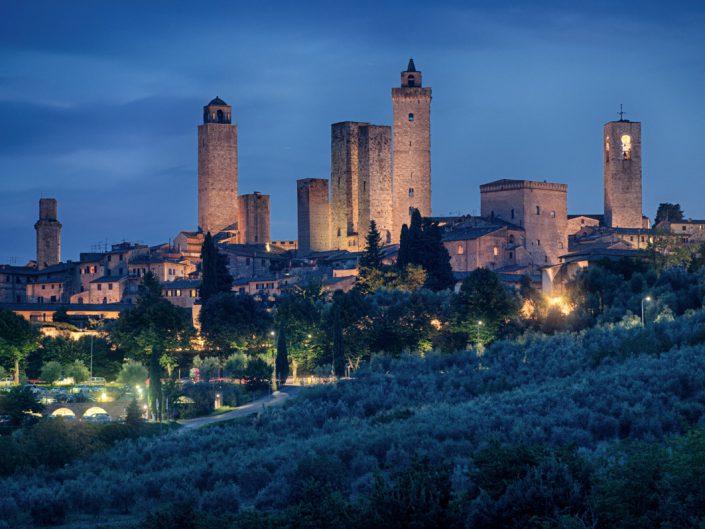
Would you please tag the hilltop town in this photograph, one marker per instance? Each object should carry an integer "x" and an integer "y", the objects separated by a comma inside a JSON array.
[{"x": 378, "y": 173}]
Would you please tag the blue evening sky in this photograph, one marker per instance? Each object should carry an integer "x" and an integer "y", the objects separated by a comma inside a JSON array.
[{"x": 99, "y": 101}]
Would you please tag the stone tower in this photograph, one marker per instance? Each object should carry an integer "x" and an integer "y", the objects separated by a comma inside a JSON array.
[
  {"x": 375, "y": 182},
  {"x": 622, "y": 170},
  {"x": 254, "y": 218},
  {"x": 344, "y": 192},
  {"x": 313, "y": 211},
  {"x": 217, "y": 168},
  {"x": 361, "y": 183},
  {"x": 48, "y": 234},
  {"x": 411, "y": 105}
]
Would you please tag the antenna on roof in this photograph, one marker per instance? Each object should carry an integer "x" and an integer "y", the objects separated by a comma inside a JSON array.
[{"x": 621, "y": 113}]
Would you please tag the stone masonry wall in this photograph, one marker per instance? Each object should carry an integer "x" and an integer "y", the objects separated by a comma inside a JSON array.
[
  {"x": 48, "y": 230},
  {"x": 375, "y": 182},
  {"x": 217, "y": 176},
  {"x": 254, "y": 215},
  {"x": 411, "y": 107}
]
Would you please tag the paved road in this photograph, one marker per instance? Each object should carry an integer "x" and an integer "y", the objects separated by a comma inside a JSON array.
[{"x": 268, "y": 401}]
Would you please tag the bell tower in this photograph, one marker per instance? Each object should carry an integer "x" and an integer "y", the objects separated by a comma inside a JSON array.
[
  {"x": 217, "y": 168},
  {"x": 48, "y": 230},
  {"x": 621, "y": 143},
  {"x": 411, "y": 106}
]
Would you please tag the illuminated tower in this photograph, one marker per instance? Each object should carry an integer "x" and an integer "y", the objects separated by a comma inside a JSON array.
[
  {"x": 622, "y": 170},
  {"x": 411, "y": 105},
  {"x": 217, "y": 168}
]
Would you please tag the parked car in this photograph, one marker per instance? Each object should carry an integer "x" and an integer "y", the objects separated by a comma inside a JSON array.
[
  {"x": 96, "y": 381},
  {"x": 7, "y": 381}
]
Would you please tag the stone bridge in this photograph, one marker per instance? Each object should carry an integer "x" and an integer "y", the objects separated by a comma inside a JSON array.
[{"x": 79, "y": 410}]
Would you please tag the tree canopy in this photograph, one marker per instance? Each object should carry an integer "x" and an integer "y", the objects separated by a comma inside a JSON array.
[
  {"x": 214, "y": 270},
  {"x": 18, "y": 338},
  {"x": 669, "y": 212}
]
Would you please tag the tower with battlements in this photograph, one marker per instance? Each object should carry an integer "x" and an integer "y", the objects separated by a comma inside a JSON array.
[
  {"x": 411, "y": 106},
  {"x": 48, "y": 230},
  {"x": 253, "y": 224},
  {"x": 313, "y": 211},
  {"x": 217, "y": 168}
]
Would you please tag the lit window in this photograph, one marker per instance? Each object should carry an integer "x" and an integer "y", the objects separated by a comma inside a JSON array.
[
  {"x": 553, "y": 214},
  {"x": 461, "y": 249},
  {"x": 626, "y": 147},
  {"x": 607, "y": 149},
  {"x": 495, "y": 251}
]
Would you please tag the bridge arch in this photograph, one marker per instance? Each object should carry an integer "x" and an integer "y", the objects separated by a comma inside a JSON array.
[
  {"x": 95, "y": 410},
  {"x": 63, "y": 412}
]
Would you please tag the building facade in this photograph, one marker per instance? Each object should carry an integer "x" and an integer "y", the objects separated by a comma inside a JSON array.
[
  {"x": 217, "y": 168},
  {"x": 375, "y": 182},
  {"x": 540, "y": 208}
]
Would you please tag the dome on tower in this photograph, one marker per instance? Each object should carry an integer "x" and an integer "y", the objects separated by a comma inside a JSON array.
[{"x": 217, "y": 102}]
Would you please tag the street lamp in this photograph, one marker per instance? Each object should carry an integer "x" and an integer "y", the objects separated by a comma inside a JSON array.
[
  {"x": 479, "y": 324},
  {"x": 647, "y": 298}
]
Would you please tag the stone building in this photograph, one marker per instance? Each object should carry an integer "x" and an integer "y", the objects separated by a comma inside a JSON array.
[
  {"x": 313, "y": 212},
  {"x": 217, "y": 168},
  {"x": 411, "y": 106},
  {"x": 361, "y": 183},
  {"x": 540, "y": 208},
  {"x": 482, "y": 243},
  {"x": 375, "y": 182},
  {"x": 622, "y": 174},
  {"x": 48, "y": 233},
  {"x": 253, "y": 210}
]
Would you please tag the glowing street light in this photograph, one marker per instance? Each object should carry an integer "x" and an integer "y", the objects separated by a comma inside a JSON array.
[
  {"x": 479, "y": 324},
  {"x": 647, "y": 298}
]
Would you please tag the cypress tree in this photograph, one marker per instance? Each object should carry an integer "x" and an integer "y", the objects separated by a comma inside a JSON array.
[
  {"x": 281, "y": 364},
  {"x": 371, "y": 258},
  {"x": 403, "y": 256},
  {"x": 338, "y": 346},
  {"x": 155, "y": 384},
  {"x": 214, "y": 270}
]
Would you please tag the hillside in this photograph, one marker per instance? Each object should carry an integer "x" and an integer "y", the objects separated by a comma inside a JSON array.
[{"x": 568, "y": 430}]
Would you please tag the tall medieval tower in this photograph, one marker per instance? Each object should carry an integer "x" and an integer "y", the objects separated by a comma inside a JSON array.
[
  {"x": 411, "y": 105},
  {"x": 48, "y": 230},
  {"x": 217, "y": 168},
  {"x": 622, "y": 170}
]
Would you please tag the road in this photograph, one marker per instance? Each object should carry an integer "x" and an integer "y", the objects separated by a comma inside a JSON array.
[{"x": 268, "y": 401}]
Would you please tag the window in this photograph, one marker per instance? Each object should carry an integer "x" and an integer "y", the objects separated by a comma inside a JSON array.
[
  {"x": 100, "y": 287},
  {"x": 683, "y": 228},
  {"x": 247, "y": 260},
  {"x": 43, "y": 287},
  {"x": 553, "y": 214},
  {"x": 631, "y": 238},
  {"x": 511, "y": 255},
  {"x": 626, "y": 147},
  {"x": 511, "y": 238},
  {"x": 495, "y": 251},
  {"x": 560, "y": 245},
  {"x": 538, "y": 242},
  {"x": 607, "y": 149},
  {"x": 338, "y": 232},
  {"x": 110, "y": 286},
  {"x": 53, "y": 299},
  {"x": 220, "y": 116},
  {"x": 411, "y": 191},
  {"x": 411, "y": 210},
  {"x": 80, "y": 301},
  {"x": 178, "y": 293},
  {"x": 642, "y": 238},
  {"x": 105, "y": 300},
  {"x": 364, "y": 185},
  {"x": 545, "y": 258},
  {"x": 411, "y": 80},
  {"x": 538, "y": 210},
  {"x": 411, "y": 116},
  {"x": 461, "y": 249},
  {"x": 512, "y": 213}
]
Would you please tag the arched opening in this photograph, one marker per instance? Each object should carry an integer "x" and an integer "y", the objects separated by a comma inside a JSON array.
[
  {"x": 95, "y": 410},
  {"x": 63, "y": 413},
  {"x": 388, "y": 237},
  {"x": 411, "y": 80},
  {"x": 220, "y": 116},
  {"x": 626, "y": 147}
]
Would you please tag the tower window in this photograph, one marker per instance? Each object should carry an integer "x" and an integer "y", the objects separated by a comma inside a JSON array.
[
  {"x": 411, "y": 191},
  {"x": 411, "y": 116},
  {"x": 607, "y": 149},
  {"x": 461, "y": 249},
  {"x": 411, "y": 80},
  {"x": 538, "y": 210},
  {"x": 553, "y": 214},
  {"x": 626, "y": 147},
  {"x": 538, "y": 242},
  {"x": 220, "y": 116},
  {"x": 512, "y": 213},
  {"x": 495, "y": 251},
  {"x": 411, "y": 210},
  {"x": 338, "y": 232}
]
